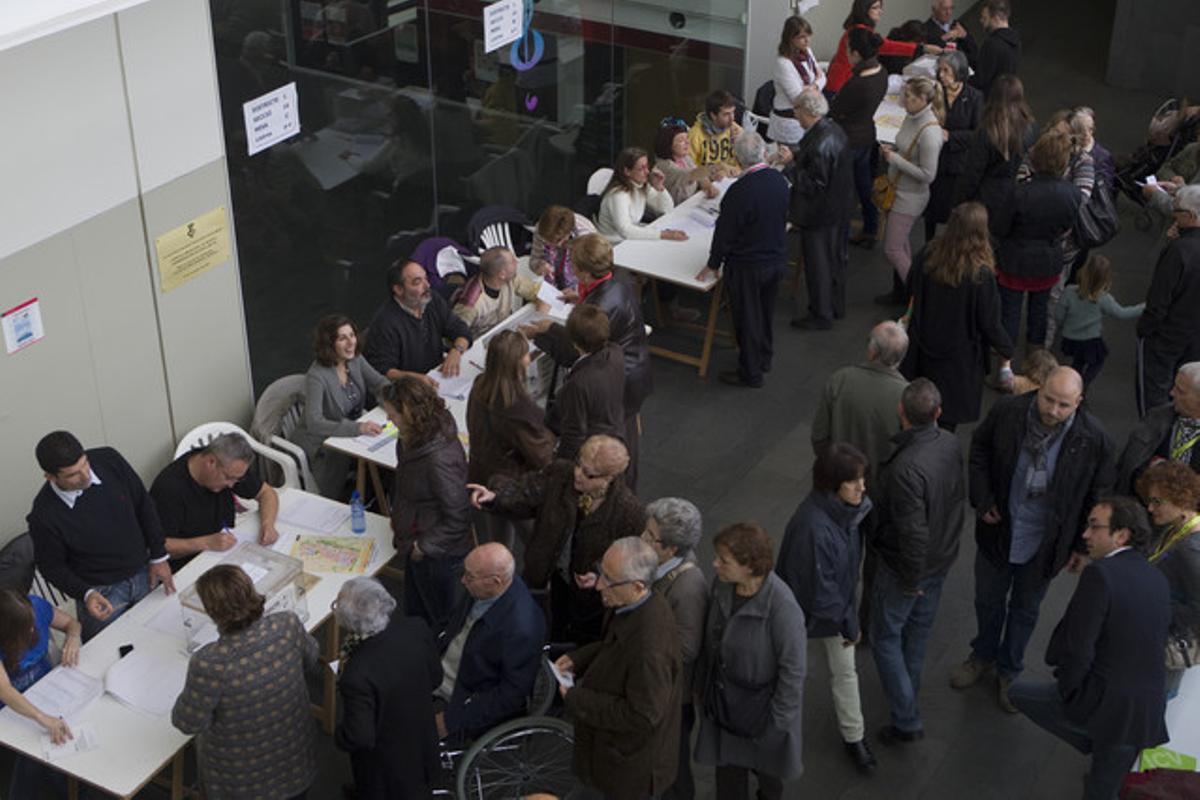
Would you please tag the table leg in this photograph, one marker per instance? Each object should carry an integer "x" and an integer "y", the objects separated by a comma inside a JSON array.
[
  {"x": 658, "y": 309},
  {"x": 329, "y": 712},
  {"x": 72, "y": 788},
  {"x": 380, "y": 494},
  {"x": 177, "y": 776},
  {"x": 710, "y": 327},
  {"x": 360, "y": 477}
]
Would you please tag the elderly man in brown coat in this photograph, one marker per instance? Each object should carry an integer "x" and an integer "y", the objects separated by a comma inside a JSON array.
[
  {"x": 625, "y": 698},
  {"x": 579, "y": 507}
]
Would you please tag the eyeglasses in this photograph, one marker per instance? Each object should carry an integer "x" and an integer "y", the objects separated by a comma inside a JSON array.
[
  {"x": 649, "y": 537},
  {"x": 591, "y": 476},
  {"x": 470, "y": 577},
  {"x": 1156, "y": 501},
  {"x": 1097, "y": 526},
  {"x": 609, "y": 582},
  {"x": 671, "y": 122}
]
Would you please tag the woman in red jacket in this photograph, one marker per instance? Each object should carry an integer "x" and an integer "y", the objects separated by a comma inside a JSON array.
[{"x": 866, "y": 14}]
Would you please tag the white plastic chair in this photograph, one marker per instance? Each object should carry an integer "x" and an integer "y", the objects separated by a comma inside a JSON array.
[
  {"x": 599, "y": 180},
  {"x": 201, "y": 435},
  {"x": 276, "y": 417},
  {"x": 496, "y": 235},
  {"x": 287, "y": 425}
]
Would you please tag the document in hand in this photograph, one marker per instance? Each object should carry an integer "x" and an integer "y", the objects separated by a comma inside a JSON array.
[
  {"x": 84, "y": 739},
  {"x": 64, "y": 692},
  {"x": 559, "y": 309},
  {"x": 146, "y": 681},
  {"x": 564, "y": 678}
]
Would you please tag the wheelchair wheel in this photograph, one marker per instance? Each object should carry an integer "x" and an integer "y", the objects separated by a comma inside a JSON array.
[
  {"x": 527, "y": 755},
  {"x": 545, "y": 687}
]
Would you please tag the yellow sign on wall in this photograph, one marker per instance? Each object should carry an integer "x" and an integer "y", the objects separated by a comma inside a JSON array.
[{"x": 192, "y": 248}]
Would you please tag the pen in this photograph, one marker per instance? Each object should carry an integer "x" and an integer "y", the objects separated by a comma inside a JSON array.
[{"x": 473, "y": 364}]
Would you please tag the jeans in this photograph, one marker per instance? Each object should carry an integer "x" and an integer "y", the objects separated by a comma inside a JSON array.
[
  {"x": 843, "y": 678},
  {"x": 121, "y": 595},
  {"x": 900, "y": 626},
  {"x": 432, "y": 587},
  {"x": 731, "y": 784},
  {"x": 864, "y": 180},
  {"x": 1006, "y": 620},
  {"x": 1035, "y": 324},
  {"x": 897, "y": 247},
  {"x": 1044, "y": 707}
]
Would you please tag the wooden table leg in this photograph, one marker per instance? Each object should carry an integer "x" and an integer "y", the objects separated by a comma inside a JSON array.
[
  {"x": 177, "y": 776},
  {"x": 329, "y": 712},
  {"x": 360, "y": 477},
  {"x": 380, "y": 495},
  {"x": 658, "y": 309},
  {"x": 710, "y": 327},
  {"x": 72, "y": 788}
]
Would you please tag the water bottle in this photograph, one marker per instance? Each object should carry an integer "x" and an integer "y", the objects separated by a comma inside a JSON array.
[{"x": 358, "y": 514}]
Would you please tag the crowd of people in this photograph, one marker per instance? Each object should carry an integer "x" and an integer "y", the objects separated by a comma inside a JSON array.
[{"x": 537, "y": 536}]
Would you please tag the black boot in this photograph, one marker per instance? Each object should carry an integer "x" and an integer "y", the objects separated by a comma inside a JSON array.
[{"x": 861, "y": 755}]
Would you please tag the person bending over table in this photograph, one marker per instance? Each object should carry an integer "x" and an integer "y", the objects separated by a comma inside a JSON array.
[
  {"x": 431, "y": 520},
  {"x": 25, "y": 624},
  {"x": 246, "y": 698},
  {"x": 634, "y": 187},
  {"x": 550, "y": 253},
  {"x": 409, "y": 330},
  {"x": 491, "y": 295},
  {"x": 194, "y": 497},
  {"x": 335, "y": 394},
  {"x": 96, "y": 534}
]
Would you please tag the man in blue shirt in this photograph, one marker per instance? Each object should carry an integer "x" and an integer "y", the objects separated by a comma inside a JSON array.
[{"x": 1037, "y": 466}]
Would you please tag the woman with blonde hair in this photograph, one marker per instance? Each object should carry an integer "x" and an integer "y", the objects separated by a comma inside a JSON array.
[
  {"x": 954, "y": 314},
  {"x": 912, "y": 167}
]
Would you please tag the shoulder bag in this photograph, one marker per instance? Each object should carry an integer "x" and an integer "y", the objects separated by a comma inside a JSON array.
[
  {"x": 1096, "y": 222},
  {"x": 883, "y": 191}
]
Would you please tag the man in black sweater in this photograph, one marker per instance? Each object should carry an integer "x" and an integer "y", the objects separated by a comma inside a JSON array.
[
  {"x": 96, "y": 534},
  {"x": 1001, "y": 50},
  {"x": 751, "y": 240}
]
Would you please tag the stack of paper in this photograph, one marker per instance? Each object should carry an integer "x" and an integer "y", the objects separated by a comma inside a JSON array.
[
  {"x": 146, "y": 681},
  {"x": 314, "y": 513},
  {"x": 64, "y": 692}
]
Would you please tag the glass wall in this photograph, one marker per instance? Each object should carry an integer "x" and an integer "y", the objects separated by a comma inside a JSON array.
[{"x": 409, "y": 127}]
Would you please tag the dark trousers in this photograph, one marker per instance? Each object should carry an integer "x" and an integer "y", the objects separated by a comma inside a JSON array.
[
  {"x": 432, "y": 587},
  {"x": 1157, "y": 362},
  {"x": 1043, "y": 705},
  {"x": 752, "y": 291},
  {"x": 633, "y": 440},
  {"x": 576, "y": 615},
  {"x": 1007, "y": 600},
  {"x": 900, "y": 626},
  {"x": 825, "y": 271},
  {"x": 732, "y": 784},
  {"x": 684, "y": 787},
  {"x": 864, "y": 180},
  {"x": 1011, "y": 301}
]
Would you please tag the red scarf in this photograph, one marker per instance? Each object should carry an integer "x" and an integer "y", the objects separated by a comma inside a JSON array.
[{"x": 586, "y": 289}]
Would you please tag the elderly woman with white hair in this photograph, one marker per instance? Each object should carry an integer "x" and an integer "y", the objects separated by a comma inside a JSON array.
[
  {"x": 388, "y": 672},
  {"x": 750, "y": 243},
  {"x": 673, "y": 527}
]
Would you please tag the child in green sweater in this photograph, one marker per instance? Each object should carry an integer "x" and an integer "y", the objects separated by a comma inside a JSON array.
[{"x": 1079, "y": 314}]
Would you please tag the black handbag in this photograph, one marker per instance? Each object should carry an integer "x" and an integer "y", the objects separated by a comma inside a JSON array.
[
  {"x": 737, "y": 706},
  {"x": 1097, "y": 222}
]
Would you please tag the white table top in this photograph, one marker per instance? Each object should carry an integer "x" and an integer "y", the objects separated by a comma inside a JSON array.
[
  {"x": 671, "y": 261},
  {"x": 135, "y": 746}
]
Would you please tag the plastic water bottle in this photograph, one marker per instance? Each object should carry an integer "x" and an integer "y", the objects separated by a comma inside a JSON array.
[{"x": 358, "y": 514}]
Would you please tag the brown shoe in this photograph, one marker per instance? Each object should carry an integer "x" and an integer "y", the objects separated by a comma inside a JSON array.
[
  {"x": 968, "y": 673},
  {"x": 1002, "y": 687}
]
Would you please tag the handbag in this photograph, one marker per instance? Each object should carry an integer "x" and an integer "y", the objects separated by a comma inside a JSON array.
[
  {"x": 883, "y": 190},
  {"x": 1096, "y": 221},
  {"x": 739, "y": 707}
]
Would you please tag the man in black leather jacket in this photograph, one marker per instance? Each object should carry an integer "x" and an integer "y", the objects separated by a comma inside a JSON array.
[{"x": 822, "y": 190}]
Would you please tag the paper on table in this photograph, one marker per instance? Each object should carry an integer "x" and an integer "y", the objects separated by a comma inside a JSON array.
[
  {"x": 564, "y": 678},
  {"x": 63, "y": 692},
  {"x": 458, "y": 387},
  {"x": 85, "y": 739},
  {"x": 254, "y": 571},
  {"x": 378, "y": 440},
  {"x": 313, "y": 513},
  {"x": 147, "y": 681},
  {"x": 169, "y": 619},
  {"x": 549, "y": 295}
]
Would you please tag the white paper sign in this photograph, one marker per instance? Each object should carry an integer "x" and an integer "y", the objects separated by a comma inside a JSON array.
[
  {"x": 271, "y": 118},
  {"x": 22, "y": 325},
  {"x": 502, "y": 22}
]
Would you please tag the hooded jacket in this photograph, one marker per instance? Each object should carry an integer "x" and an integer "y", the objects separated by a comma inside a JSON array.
[{"x": 999, "y": 55}]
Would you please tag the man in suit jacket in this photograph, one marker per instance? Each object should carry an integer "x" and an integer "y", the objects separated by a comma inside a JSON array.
[
  {"x": 942, "y": 29},
  {"x": 1109, "y": 692},
  {"x": 591, "y": 399},
  {"x": 492, "y": 649}
]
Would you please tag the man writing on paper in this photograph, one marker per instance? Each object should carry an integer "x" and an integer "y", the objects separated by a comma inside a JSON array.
[
  {"x": 409, "y": 331},
  {"x": 96, "y": 534},
  {"x": 194, "y": 498}
]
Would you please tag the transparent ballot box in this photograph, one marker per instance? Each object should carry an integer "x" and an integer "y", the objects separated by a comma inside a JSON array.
[{"x": 276, "y": 577}]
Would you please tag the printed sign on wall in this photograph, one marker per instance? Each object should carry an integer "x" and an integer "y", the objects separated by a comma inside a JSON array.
[
  {"x": 271, "y": 118},
  {"x": 192, "y": 248},
  {"x": 22, "y": 325}
]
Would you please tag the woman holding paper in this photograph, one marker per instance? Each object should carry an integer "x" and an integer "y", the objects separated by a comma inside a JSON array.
[
  {"x": 335, "y": 393},
  {"x": 25, "y": 624}
]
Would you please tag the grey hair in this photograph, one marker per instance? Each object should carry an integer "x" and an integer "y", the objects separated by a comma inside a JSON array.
[
  {"x": 889, "y": 342},
  {"x": 638, "y": 560},
  {"x": 230, "y": 447},
  {"x": 679, "y": 522},
  {"x": 749, "y": 149},
  {"x": 364, "y": 606},
  {"x": 1191, "y": 372},
  {"x": 1188, "y": 199},
  {"x": 492, "y": 260},
  {"x": 957, "y": 61},
  {"x": 812, "y": 103},
  {"x": 920, "y": 401}
]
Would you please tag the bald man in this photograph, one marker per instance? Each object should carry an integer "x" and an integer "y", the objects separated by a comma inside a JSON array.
[
  {"x": 1038, "y": 464},
  {"x": 492, "y": 649}
]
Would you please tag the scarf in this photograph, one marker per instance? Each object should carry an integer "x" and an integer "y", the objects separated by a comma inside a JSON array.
[
  {"x": 1184, "y": 437},
  {"x": 586, "y": 289},
  {"x": 1038, "y": 438},
  {"x": 349, "y": 645},
  {"x": 806, "y": 65}
]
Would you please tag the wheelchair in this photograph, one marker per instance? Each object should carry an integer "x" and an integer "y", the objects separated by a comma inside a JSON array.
[{"x": 522, "y": 756}]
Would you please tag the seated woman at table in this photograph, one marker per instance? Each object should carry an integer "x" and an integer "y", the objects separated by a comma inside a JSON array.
[
  {"x": 634, "y": 188},
  {"x": 550, "y": 253},
  {"x": 431, "y": 512},
  {"x": 505, "y": 426},
  {"x": 335, "y": 392},
  {"x": 681, "y": 177},
  {"x": 246, "y": 698},
  {"x": 25, "y": 624}
]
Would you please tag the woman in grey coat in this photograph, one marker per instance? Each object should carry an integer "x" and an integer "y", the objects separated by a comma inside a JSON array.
[
  {"x": 751, "y": 669},
  {"x": 335, "y": 390}
]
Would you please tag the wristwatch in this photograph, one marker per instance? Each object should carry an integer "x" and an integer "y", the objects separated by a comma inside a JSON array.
[{"x": 461, "y": 349}]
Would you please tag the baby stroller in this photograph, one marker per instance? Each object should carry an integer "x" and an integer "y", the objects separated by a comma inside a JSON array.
[{"x": 1174, "y": 125}]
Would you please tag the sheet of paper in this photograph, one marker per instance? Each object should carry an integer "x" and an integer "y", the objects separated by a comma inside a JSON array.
[
  {"x": 564, "y": 678},
  {"x": 255, "y": 572},
  {"x": 85, "y": 739},
  {"x": 458, "y": 387},
  {"x": 169, "y": 619},
  {"x": 549, "y": 295},
  {"x": 502, "y": 22},
  {"x": 379, "y": 440},
  {"x": 147, "y": 681},
  {"x": 335, "y": 665},
  {"x": 64, "y": 692},
  {"x": 313, "y": 513}
]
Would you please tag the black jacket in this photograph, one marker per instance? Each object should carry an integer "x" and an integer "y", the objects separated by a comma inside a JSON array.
[
  {"x": 752, "y": 226},
  {"x": 398, "y": 340},
  {"x": 590, "y": 401},
  {"x": 854, "y": 106},
  {"x": 1044, "y": 210},
  {"x": 1150, "y": 438},
  {"x": 822, "y": 177},
  {"x": 921, "y": 511},
  {"x": 1107, "y": 652},
  {"x": 500, "y": 661},
  {"x": 990, "y": 178},
  {"x": 1083, "y": 473},
  {"x": 619, "y": 300},
  {"x": 386, "y": 692},
  {"x": 820, "y": 558},
  {"x": 999, "y": 55},
  {"x": 1172, "y": 315},
  {"x": 430, "y": 504},
  {"x": 962, "y": 120},
  {"x": 966, "y": 45}
]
